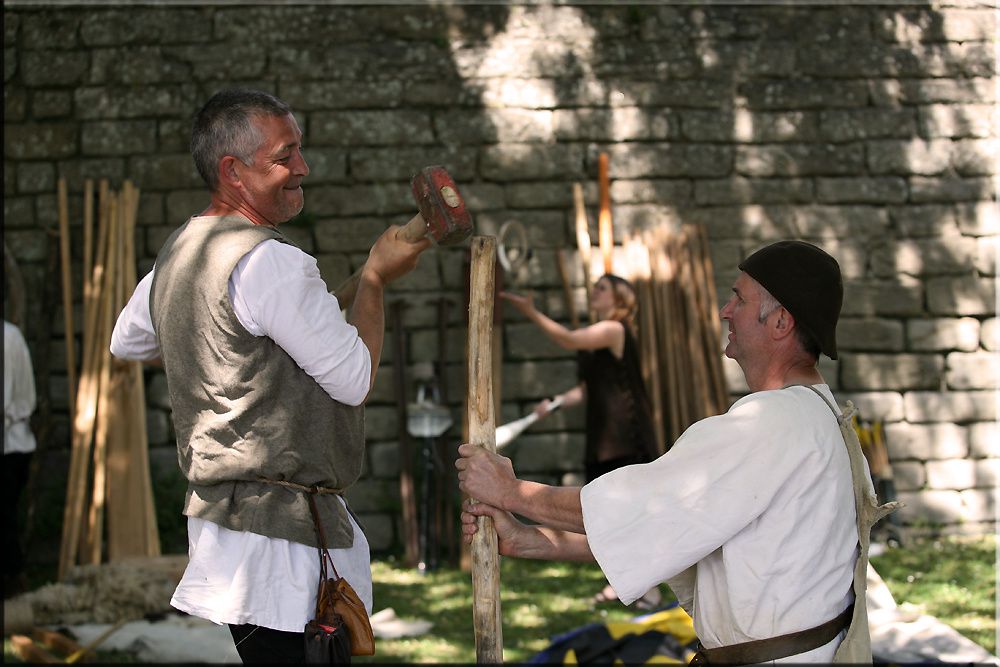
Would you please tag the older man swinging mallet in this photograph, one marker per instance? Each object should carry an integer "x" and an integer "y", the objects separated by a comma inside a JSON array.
[{"x": 442, "y": 217}]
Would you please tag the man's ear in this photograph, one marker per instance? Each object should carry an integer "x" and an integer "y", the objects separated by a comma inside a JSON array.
[
  {"x": 228, "y": 175},
  {"x": 783, "y": 325}
]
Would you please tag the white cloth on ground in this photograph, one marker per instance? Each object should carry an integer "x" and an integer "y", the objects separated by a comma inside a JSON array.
[
  {"x": 240, "y": 577},
  {"x": 749, "y": 518}
]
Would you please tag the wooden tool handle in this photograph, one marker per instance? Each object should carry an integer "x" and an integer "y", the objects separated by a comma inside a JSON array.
[
  {"x": 414, "y": 230},
  {"x": 411, "y": 232},
  {"x": 482, "y": 432}
]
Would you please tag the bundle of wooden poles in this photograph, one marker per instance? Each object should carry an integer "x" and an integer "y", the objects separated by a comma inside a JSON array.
[
  {"x": 679, "y": 326},
  {"x": 109, "y": 491}
]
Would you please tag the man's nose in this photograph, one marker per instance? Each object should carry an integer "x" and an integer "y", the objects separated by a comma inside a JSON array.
[{"x": 301, "y": 166}]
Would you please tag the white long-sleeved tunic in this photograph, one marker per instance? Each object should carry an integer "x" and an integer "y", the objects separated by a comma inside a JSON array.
[{"x": 749, "y": 518}]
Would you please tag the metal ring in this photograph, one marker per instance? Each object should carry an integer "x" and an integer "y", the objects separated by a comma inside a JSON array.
[{"x": 512, "y": 256}]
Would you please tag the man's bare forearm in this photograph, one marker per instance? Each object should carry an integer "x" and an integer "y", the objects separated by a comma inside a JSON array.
[
  {"x": 556, "y": 507},
  {"x": 367, "y": 314},
  {"x": 553, "y": 544}
]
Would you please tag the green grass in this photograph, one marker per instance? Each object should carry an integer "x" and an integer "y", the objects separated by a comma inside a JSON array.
[
  {"x": 951, "y": 578},
  {"x": 538, "y": 600}
]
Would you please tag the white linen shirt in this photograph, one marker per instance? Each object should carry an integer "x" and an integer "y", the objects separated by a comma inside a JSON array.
[
  {"x": 18, "y": 393},
  {"x": 240, "y": 577},
  {"x": 749, "y": 518}
]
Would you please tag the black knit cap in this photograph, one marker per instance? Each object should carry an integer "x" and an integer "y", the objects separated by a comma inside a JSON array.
[{"x": 806, "y": 281}]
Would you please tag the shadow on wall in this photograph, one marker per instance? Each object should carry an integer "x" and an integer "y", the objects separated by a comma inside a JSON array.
[{"x": 866, "y": 129}]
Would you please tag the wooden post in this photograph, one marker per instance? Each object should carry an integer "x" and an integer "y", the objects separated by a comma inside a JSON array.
[{"x": 482, "y": 432}]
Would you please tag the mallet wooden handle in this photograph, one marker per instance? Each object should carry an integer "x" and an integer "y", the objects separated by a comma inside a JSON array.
[
  {"x": 482, "y": 432},
  {"x": 411, "y": 232}
]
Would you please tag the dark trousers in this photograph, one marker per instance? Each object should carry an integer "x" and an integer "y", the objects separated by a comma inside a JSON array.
[
  {"x": 15, "y": 476},
  {"x": 257, "y": 645}
]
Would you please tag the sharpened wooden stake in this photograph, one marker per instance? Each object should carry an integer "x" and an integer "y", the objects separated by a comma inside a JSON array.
[
  {"x": 583, "y": 241},
  {"x": 567, "y": 289},
  {"x": 67, "y": 290},
  {"x": 88, "y": 235},
  {"x": 482, "y": 432},
  {"x": 605, "y": 231},
  {"x": 74, "y": 538}
]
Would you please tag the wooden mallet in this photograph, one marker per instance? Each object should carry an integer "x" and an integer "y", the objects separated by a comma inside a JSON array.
[{"x": 442, "y": 216}]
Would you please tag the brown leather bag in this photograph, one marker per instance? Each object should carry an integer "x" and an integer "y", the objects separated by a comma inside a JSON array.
[{"x": 336, "y": 598}]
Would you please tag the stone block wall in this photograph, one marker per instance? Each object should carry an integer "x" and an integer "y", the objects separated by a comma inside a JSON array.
[{"x": 870, "y": 130}]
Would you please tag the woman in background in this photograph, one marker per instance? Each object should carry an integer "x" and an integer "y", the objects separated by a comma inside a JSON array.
[{"x": 619, "y": 418}]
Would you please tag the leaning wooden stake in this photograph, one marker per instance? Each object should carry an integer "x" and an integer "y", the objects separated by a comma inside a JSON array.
[
  {"x": 84, "y": 417},
  {"x": 567, "y": 289},
  {"x": 605, "y": 229},
  {"x": 67, "y": 290},
  {"x": 583, "y": 241},
  {"x": 482, "y": 432}
]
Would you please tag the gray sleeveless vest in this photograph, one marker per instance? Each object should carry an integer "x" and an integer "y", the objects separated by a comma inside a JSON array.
[{"x": 243, "y": 410}]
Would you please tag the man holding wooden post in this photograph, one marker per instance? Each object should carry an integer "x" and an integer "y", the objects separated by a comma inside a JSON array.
[
  {"x": 758, "y": 519},
  {"x": 267, "y": 380}
]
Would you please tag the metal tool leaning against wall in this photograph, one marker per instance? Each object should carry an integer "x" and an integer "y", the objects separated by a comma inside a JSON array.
[{"x": 267, "y": 379}]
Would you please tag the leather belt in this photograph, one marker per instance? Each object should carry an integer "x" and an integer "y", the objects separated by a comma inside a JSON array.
[{"x": 765, "y": 650}]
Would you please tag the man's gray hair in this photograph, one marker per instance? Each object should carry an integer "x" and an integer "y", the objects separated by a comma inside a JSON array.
[
  {"x": 768, "y": 304},
  {"x": 224, "y": 126}
]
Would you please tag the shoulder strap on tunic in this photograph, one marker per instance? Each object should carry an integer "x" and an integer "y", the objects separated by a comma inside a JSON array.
[{"x": 856, "y": 647}]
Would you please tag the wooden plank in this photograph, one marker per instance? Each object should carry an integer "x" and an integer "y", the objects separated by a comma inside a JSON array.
[
  {"x": 95, "y": 518},
  {"x": 482, "y": 432},
  {"x": 712, "y": 324},
  {"x": 131, "y": 515},
  {"x": 73, "y": 535},
  {"x": 650, "y": 358},
  {"x": 137, "y": 395}
]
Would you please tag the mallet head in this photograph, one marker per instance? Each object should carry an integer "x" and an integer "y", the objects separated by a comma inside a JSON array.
[{"x": 441, "y": 206}]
